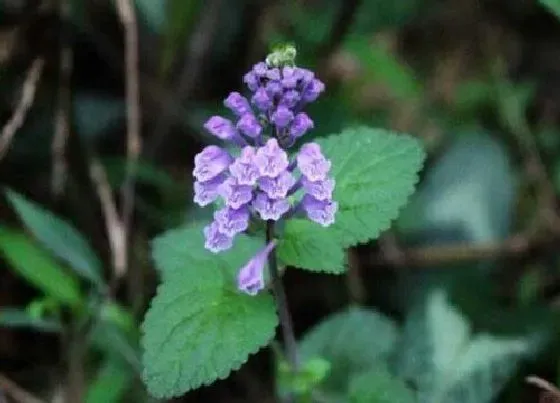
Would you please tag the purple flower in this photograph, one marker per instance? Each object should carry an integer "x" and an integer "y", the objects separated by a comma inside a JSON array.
[
  {"x": 215, "y": 240},
  {"x": 273, "y": 74},
  {"x": 270, "y": 209},
  {"x": 301, "y": 124},
  {"x": 260, "y": 69},
  {"x": 313, "y": 90},
  {"x": 206, "y": 192},
  {"x": 290, "y": 77},
  {"x": 321, "y": 190},
  {"x": 250, "y": 278},
  {"x": 244, "y": 168},
  {"x": 312, "y": 163},
  {"x": 273, "y": 88},
  {"x": 251, "y": 80},
  {"x": 306, "y": 76},
  {"x": 249, "y": 125},
  {"x": 234, "y": 194},
  {"x": 232, "y": 221},
  {"x": 282, "y": 116},
  {"x": 277, "y": 188},
  {"x": 271, "y": 160},
  {"x": 237, "y": 103},
  {"x": 221, "y": 128},
  {"x": 210, "y": 162},
  {"x": 261, "y": 100},
  {"x": 321, "y": 212},
  {"x": 290, "y": 99}
]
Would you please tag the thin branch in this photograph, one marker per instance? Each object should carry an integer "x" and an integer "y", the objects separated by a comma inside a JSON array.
[
  {"x": 27, "y": 97},
  {"x": 62, "y": 114},
  {"x": 545, "y": 386},
  {"x": 113, "y": 224},
  {"x": 17, "y": 393},
  {"x": 128, "y": 19}
]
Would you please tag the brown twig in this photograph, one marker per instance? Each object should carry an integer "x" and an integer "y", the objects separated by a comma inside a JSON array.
[
  {"x": 128, "y": 19},
  {"x": 17, "y": 393},
  {"x": 62, "y": 114},
  {"x": 27, "y": 97},
  {"x": 545, "y": 386},
  {"x": 113, "y": 223}
]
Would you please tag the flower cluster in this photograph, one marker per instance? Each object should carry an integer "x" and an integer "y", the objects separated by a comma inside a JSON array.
[{"x": 260, "y": 179}]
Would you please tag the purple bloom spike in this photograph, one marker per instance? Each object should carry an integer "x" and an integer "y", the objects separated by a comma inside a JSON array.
[
  {"x": 320, "y": 190},
  {"x": 244, "y": 169},
  {"x": 221, "y": 127},
  {"x": 249, "y": 125},
  {"x": 321, "y": 212},
  {"x": 215, "y": 240},
  {"x": 210, "y": 162},
  {"x": 282, "y": 116},
  {"x": 232, "y": 221},
  {"x": 261, "y": 100},
  {"x": 271, "y": 160},
  {"x": 312, "y": 163},
  {"x": 301, "y": 124},
  {"x": 277, "y": 188},
  {"x": 235, "y": 195},
  {"x": 270, "y": 209},
  {"x": 250, "y": 278},
  {"x": 206, "y": 192},
  {"x": 237, "y": 103}
]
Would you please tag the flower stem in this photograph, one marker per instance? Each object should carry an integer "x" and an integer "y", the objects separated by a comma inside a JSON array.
[{"x": 290, "y": 345}]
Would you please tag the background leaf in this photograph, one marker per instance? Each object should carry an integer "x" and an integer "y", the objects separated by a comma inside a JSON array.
[
  {"x": 199, "y": 327},
  {"x": 39, "y": 268},
  {"x": 61, "y": 238},
  {"x": 446, "y": 364},
  {"x": 21, "y": 318},
  {"x": 379, "y": 386},
  {"x": 110, "y": 383},
  {"x": 349, "y": 350}
]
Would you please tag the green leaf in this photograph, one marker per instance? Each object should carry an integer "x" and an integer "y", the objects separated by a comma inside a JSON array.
[
  {"x": 553, "y": 6},
  {"x": 379, "y": 386},
  {"x": 111, "y": 382},
  {"x": 348, "y": 350},
  {"x": 61, "y": 238},
  {"x": 446, "y": 363},
  {"x": 199, "y": 327},
  {"x": 20, "y": 318},
  {"x": 38, "y": 267},
  {"x": 304, "y": 245},
  {"x": 375, "y": 172}
]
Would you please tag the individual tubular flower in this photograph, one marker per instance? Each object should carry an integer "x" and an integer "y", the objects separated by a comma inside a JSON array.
[
  {"x": 301, "y": 124},
  {"x": 249, "y": 125},
  {"x": 244, "y": 169},
  {"x": 234, "y": 194},
  {"x": 277, "y": 188},
  {"x": 270, "y": 209},
  {"x": 210, "y": 162},
  {"x": 216, "y": 241},
  {"x": 250, "y": 278},
  {"x": 220, "y": 127},
  {"x": 232, "y": 221},
  {"x": 312, "y": 163},
  {"x": 238, "y": 104},
  {"x": 207, "y": 192},
  {"x": 321, "y": 190},
  {"x": 282, "y": 117},
  {"x": 270, "y": 159},
  {"x": 320, "y": 211}
]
